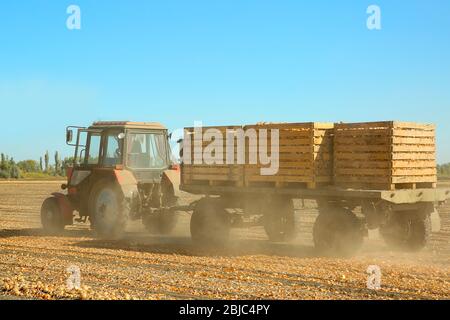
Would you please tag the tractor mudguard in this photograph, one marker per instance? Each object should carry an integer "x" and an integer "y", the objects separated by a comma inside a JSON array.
[
  {"x": 65, "y": 206},
  {"x": 172, "y": 178},
  {"x": 129, "y": 186},
  {"x": 127, "y": 182}
]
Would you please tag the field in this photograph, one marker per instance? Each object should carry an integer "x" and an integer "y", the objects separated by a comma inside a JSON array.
[{"x": 141, "y": 266}]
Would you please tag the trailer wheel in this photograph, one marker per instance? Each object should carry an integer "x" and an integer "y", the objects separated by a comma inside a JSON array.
[
  {"x": 163, "y": 222},
  {"x": 108, "y": 210},
  {"x": 337, "y": 231},
  {"x": 210, "y": 222},
  {"x": 51, "y": 218},
  {"x": 407, "y": 230},
  {"x": 278, "y": 218}
]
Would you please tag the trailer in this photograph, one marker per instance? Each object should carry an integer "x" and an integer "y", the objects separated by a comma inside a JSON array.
[{"x": 363, "y": 176}]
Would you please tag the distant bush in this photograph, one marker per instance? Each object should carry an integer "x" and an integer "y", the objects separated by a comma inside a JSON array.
[
  {"x": 32, "y": 169},
  {"x": 39, "y": 176},
  {"x": 28, "y": 166},
  {"x": 443, "y": 170},
  {"x": 9, "y": 168},
  {"x": 4, "y": 174}
]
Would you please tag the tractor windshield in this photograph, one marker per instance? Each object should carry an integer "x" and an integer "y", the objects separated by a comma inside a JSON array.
[{"x": 146, "y": 151}]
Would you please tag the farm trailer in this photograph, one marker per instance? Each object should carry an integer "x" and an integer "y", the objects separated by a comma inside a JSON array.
[{"x": 383, "y": 171}]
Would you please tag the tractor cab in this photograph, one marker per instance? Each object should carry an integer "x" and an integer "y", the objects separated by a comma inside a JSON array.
[
  {"x": 121, "y": 170},
  {"x": 136, "y": 146}
]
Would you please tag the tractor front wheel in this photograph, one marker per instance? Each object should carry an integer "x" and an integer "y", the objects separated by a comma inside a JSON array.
[{"x": 51, "y": 218}]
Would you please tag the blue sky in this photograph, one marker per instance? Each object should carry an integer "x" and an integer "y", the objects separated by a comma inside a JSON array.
[{"x": 221, "y": 62}]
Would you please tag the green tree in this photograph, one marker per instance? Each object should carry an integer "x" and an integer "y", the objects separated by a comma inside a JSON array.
[
  {"x": 57, "y": 164},
  {"x": 41, "y": 168},
  {"x": 46, "y": 159},
  {"x": 14, "y": 171},
  {"x": 4, "y": 167}
]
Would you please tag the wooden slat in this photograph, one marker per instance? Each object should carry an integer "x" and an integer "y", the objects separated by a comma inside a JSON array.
[
  {"x": 365, "y": 140},
  {"x": 364, "y": 164},
  {"x": 364, "y": 125},
  {"x": 362, "y": 133},
  {"x": 412, "y": 133},
  {"x": 212, "y": 170},
  {"x": 362, "y": 179},
  {"x": 345, "y": 156},
  {"x": 414, "y": 155},
  {"x": 413, "y": 171},
  {"x": 296, "y": 178},
  {"x": 282, "y": 172},
  {"x": 416, "y": 179},
  {"x": 213, "y": 177},
  {"x": 413, "y": 148},
  {"x": 363, "y": 171},
  {"x": 362, "y": 148},
  {"x": 414, "y": 140},
  {"x": 414, "y": 164},
  {"x": 414, "y": 125}
]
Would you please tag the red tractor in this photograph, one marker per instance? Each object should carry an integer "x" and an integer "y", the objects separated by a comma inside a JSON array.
[{"x": 121, "y": 171}]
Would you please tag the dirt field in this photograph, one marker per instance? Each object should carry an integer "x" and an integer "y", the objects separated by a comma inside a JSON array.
[{"x": 33, "y": 265}]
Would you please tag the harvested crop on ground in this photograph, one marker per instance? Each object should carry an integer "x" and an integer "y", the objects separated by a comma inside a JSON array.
[{"x": 140, "y": 266}]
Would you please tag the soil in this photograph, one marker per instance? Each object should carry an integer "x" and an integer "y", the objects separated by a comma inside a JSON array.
[{"x": 141, "y": 266}]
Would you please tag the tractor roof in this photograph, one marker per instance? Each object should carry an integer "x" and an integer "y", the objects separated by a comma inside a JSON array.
[{"x": 128, "y": 125}]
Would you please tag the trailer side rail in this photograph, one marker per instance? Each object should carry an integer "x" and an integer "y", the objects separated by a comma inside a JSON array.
[{"x": 393, "y": 196}]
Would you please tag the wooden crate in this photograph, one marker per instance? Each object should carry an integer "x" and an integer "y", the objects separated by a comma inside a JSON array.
[
  {"x": 384, "y": 155},
  {"x": 211, "y": 174},
  {"x": 305, "y": 156}
]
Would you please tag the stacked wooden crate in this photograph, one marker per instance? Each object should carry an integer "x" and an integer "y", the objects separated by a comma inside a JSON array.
[
  {"x": 384, "y": 155},
  {"x": 210, "y": 174},
  {"x": 305, "y": 156}
]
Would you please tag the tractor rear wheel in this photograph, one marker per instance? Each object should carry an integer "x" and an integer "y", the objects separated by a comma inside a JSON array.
[
  {"x": 210, "y": 222},
  {"x": 108, "y": 209},
  {"x": 162, "y": 222},
  {"x": 51, "y": 218},
  {"x": 278, "y": 218},
  {"x": 337, "y": 231}
]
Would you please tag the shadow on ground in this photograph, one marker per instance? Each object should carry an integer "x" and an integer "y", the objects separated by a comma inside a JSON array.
[
  {"x": 184, "y": 246},
  {"x": 180, "y": 245},
  {"x": 39, "y": 232}
]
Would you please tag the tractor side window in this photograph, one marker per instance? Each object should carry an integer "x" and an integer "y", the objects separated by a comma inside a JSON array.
[
  {"x": 94, "y": 149},
  {"x": 113, "y": 155}
]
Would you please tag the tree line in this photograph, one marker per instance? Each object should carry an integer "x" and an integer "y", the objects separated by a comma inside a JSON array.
[{"x": 10, "y": 169}]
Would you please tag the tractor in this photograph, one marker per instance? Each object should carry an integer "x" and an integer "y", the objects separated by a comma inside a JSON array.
[{"x": 121, "y": 171}]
